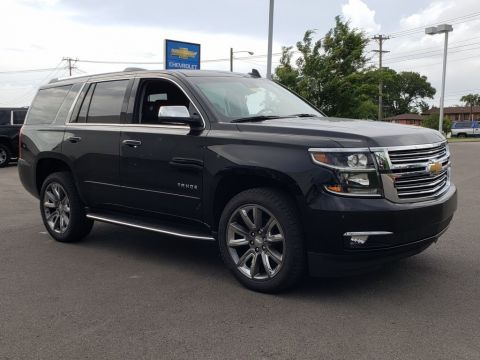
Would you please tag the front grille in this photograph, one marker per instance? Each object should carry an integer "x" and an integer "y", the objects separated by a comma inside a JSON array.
[
  {"x": 412, "y": 178},
  {"x": 418, "y": 186},
  {"x": 417, "y": 156}
]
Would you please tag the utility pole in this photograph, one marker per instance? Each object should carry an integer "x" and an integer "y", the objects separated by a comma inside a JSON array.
[
  {"x": 380, "y": 38},
  {"x": 71, "y": 65},
  {"x": 231, "y": 59}
]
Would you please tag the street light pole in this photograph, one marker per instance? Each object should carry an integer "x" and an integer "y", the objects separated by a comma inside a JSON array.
[
  {"x": 442, "y": 95},
  {"x": 444, "y": 28},
  {"x": 236, "y": 52},
  {"x": 270, "y": 39}
]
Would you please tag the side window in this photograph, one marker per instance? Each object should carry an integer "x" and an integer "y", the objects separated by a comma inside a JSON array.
[
  {"x": 107, "y": 101},
  {"x": 156, "y": 94},
  {"x": 5, "y": 117},
  {"x": 82, "y": 115},
  {"x": 46, "y": 105},
  {"x": 19, "y": 117},
  {"x": 67, "y": 103}
]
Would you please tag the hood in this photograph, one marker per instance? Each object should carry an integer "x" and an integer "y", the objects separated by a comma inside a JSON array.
[{"x": 346, "y": 132}]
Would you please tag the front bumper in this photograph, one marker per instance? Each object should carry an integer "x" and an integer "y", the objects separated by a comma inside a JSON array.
[{"x": 405, "y": 230}]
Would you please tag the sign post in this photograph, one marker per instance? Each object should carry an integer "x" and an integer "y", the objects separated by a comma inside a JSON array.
[{"x": 182, "y": 55}]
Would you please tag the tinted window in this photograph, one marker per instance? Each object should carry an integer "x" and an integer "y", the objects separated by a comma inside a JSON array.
[
  {"x": 67, "y": 103},
  {"x": 46, "y": 104},
  {"x": 19, "y": 116},
  {"x": 5, "y": 117},
  {"x": 82, "y": 115},
  {"x": 463, "y": 125},
  {"x": 107, "y": 101}
]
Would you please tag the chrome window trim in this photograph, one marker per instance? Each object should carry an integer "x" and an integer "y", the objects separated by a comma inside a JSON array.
[{"x": 91, "y": 81}]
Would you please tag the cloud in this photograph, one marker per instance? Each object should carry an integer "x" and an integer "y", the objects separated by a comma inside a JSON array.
[
  {"x": 360, "y": 16},
  {"x": 429, "y": 15}
]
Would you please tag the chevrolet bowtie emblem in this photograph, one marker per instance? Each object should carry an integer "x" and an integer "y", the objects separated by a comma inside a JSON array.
[
  {"x": 183, "y": 53},
  {"x": 435, "y": 167}
]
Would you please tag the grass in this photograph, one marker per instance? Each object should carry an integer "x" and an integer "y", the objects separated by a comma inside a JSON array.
[{"x": 468, "y": 139}]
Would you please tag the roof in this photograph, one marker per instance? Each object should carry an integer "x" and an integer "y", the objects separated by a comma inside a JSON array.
[
  {"x": 405, "y": 117},
  {"x": 453, "y": 110},
  {"x": 132, "y": 73}
]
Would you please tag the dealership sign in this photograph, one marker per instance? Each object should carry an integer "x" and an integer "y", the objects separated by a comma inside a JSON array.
[{"x": 182, "y": 55}]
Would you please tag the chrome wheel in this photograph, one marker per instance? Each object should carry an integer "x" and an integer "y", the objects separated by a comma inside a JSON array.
[
  {"x": 56, "y": 207},
  {"x": 256, "y": 242},
  {"x": 3, "y": 156}
]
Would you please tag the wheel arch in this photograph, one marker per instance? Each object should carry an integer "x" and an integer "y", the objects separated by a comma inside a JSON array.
[
  {"x": 48, "y": 164},
  {"x": 232, "y": 182}
]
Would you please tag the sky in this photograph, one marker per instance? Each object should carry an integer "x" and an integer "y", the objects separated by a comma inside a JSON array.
[{"x": 37, "y": 34}]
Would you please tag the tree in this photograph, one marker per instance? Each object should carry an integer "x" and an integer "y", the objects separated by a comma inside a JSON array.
[
  {"x": 328, "y": 72},
  {"x": 471, "y": 100},
  {"x": 431, "y": 122},
  {"x": 333, "y": 75},
  {"x": 406, "y": 91}
]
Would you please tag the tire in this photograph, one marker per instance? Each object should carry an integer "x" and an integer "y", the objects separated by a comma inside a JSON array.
[
  {"x": 462, "y": 135},
  {"x": 59, "y": 195},
  {"x": 277, "y": 243},
  {"x": 5, "y": 155}
]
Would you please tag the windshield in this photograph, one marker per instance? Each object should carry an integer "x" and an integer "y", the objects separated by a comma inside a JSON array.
[{"x": 235, "y": 98}]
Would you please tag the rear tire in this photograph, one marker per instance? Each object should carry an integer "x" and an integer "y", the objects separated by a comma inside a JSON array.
[
  {"x": 261, "y": 240},
  {"x": 63, "y": 213},
  {"x": 462, "y": 135},
  {"x": 5, "y": 155}
]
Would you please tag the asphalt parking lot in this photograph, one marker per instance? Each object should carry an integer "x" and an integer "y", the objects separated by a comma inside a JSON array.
[{"x": 129, "y": 294}]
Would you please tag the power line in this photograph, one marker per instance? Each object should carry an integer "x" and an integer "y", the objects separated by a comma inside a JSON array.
[
  {"x": 456, "y": 20},
  {"x": 27, "y": 71}
]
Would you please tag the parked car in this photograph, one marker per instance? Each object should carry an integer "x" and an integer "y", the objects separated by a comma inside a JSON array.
[
  {"x": 11, "y": 120},
  {"x": 239, "y": 160},
  {"x": 465, "y": 128}
]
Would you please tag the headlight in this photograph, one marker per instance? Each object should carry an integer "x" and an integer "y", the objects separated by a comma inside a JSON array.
[{"x": 354, "y": 169}]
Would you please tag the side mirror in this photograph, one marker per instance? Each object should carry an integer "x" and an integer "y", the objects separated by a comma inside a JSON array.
[{"x": 180, "y": 115}]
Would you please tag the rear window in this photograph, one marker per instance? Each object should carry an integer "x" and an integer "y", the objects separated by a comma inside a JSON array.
[{"x": 46, "y": 105}]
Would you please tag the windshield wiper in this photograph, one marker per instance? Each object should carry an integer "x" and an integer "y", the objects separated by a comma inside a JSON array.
[
  {"x": 257, "y": 118},
  {"x": 304, "y": 115}
]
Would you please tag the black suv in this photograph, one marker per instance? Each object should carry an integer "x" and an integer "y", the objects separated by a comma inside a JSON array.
[
  {"x": 11, "y": 120},
  {"x": 239, "y": 160}
]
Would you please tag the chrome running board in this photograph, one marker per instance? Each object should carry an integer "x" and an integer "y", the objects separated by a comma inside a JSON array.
[{"x": 155, "y": 226}]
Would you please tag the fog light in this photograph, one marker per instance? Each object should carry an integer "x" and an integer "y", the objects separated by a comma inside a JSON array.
[{"x": 358, "y": 240}]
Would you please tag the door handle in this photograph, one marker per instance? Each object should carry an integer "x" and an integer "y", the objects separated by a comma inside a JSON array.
[
  {"x": 74, "y": 139},
  {"x": 132, "y": 143}
]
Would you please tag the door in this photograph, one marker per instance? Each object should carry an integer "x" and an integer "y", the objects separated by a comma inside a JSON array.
[
  {"x": 161, "y": 164},
  {"x": 91, "y": 141}
]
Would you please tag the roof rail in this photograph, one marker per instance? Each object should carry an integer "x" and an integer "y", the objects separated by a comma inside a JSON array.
[
  {"x": 255, "y": 73},
  {"x": 53, "y": 81},
  {"x": 133, "y": 69}
]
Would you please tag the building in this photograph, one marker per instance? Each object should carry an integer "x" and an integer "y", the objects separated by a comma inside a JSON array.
[
  {"x": 406, "y": 119},
  {"x": 456, "y": 113}
]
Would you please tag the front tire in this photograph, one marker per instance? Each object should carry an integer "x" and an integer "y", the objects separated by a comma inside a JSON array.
[
  {"x": 5, "y": 155},
  {"x": 261, "y": 241},
  {"x": 63, "y": 213}
]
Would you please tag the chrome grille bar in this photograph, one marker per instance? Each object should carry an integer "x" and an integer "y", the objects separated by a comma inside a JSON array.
[{"x": 415, "y": 173}]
